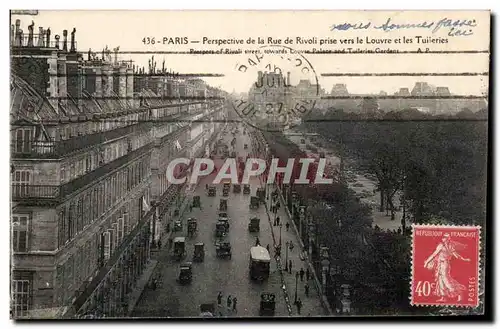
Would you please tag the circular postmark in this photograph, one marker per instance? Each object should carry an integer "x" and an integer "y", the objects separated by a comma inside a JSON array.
[{"x": 283, "y": 88}]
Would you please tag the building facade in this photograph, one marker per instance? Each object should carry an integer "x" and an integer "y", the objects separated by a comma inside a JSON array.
[{"x": 88, "y": 155}]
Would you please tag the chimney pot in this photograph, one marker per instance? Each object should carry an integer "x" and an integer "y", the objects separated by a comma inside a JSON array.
[
  {"x": 57, "y": 37},
  {"x": 30, "y": 34},
  {"x": 48, "y": 37},
  {"x": 65, "y": 40},
  {"x": 21, "y": 37},
  {"x": 73, "y": 46},
  {"x": 41, "y": 35}
]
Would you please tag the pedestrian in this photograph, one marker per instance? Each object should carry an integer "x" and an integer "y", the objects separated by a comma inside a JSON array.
[
  {"x": 219, "y": 299},
  {"x": 287, "y": 225},
  {"x": 290, "y": 266},
  {"x": 190, "y": 207},
  {"x": 291, "y": 245},
  {"x": 257, "y": 242},
  {"x": 278, "y": 220},
  {"x": 235, "y": 301},
  {"x": 159, "y": 244},
  {"x": 299, "y": 305},
  {"x": 274, "y": 222},
  {"x": 308, "y": 274},
  {"x": 267, "y": 247},
  {"x": 229, "y": 302},
  {"x": 306, "y": 289},
  {"x": 301, "y": 274},
  {"x": 206, "y": 186}
]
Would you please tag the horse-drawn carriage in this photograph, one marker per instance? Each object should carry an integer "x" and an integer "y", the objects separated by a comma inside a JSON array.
[
  {"x": 223, "y": 250},
  {"x": 192, "y": 226},
  {"x": 199, "y": 252},
  {"x": 185, "y": 273},
  {"x": 223, "y": 205},
  {"x": 179, "y": 248},
  {"x": 267, "y": 304},
  {"x": 212, "y": 191},
  {"x": 254, "y": 202},
  {"x": 246, "y": 189},
  {"x": 221, "y": 228},
  {"x": 237, "y": 188},
  {"x": 177, "y": 226},
  {"x": 196, "y": 201},
  {"x": 261, "y": 194},
  {"x": 254, "y": 225}
]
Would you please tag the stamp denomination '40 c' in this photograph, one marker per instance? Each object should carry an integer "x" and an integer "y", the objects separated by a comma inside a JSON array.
[{"x": 445, "y": 265}]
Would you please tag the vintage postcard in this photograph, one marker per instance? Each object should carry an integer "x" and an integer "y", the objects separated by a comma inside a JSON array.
[{"x": 244, "y": 164}]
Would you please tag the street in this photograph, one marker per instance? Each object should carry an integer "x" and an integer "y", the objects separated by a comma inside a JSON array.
[{"x": 214, "y": 275}]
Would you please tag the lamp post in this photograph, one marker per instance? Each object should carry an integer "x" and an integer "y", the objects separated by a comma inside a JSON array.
[
  {"x": 296, "y": 284},
  {"x": 286, "y": 257}
]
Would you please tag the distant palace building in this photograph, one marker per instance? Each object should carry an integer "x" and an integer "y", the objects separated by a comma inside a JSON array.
[
  {"x": 422, "y": 96},
  {"x": 272, "y": 89}
]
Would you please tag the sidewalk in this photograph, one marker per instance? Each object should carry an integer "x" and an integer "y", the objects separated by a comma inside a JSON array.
[
  {"x": 141, "y": 285},
  {"x": 311, "y": 305}
]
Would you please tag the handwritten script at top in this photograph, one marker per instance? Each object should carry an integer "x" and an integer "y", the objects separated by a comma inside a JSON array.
[{"x": 454, "y": 27}]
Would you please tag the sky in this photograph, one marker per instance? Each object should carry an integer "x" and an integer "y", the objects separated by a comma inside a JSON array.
[{"x": 127, "y": 29}]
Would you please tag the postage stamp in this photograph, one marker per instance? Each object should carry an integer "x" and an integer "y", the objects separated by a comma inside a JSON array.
[
  {"x": 284, "y": 90},
  {"x": 445, "y": 265}
]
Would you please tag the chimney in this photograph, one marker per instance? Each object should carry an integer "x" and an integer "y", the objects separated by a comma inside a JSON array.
[
  {"x": 288, "y": 81},
  {"x": 122, "y": 83},
  {"x": 259, "y": 76},
  {"x": 130, "y": 83},
  {"x": 30, "y": 34},
  {"x": 107, "y": 84},
  {"x": 41, "y": 36},
  {"x": 65, "y": 40},
  {"x": 48, "y": 38},
  {"x": 73, "y": 47},
  {"x": 98, "y": 82},
  {"x": 17, "y": 34},
  {"x": 53, "y": 87},
  {"x": 62, "y": 79},
  {"x": 21, "y": 37},
  {"x": 57, "y": 37}
]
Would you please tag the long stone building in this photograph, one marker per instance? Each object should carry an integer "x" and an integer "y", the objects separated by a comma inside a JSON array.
[{"x": 90, "y": 142}]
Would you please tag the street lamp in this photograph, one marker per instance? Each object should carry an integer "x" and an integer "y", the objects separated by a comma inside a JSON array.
[
  {"x": 286, "y": 256},
  {"x": 296, "y": 284}
]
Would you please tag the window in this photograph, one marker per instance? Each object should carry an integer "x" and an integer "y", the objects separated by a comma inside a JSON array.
[
  {"x": 72, "y": 173},
  {"x": 20, "y": 228},
  {"x": 22, "y": 178},
  {"x": 125, "y": 223},
  {"x": 95, "y": 204},
  {"x": 121, "y": 227},
  {"x": 107, "y": 245},
  {"x": 23, "y": 140},
  {"x": 79, "y": 216},
  {"x": 71, "y": 221},
  {"x": 61, "y": 227},
  {"x": 69, "y": 273},
  {"x": 115, "y": 235},
  {"x": 63, "y": 173},
  {"x": 21, "y": 292}
]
